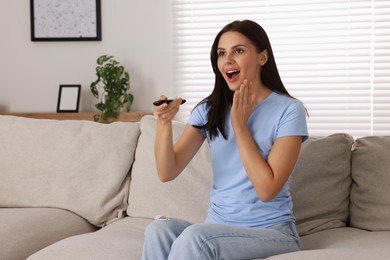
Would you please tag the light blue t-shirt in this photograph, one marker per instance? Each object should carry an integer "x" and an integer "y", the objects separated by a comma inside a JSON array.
[{"x": 233, "y": 199}]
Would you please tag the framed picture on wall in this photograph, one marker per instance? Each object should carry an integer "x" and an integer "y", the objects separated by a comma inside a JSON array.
[
  {"x": 65, "y": 20},
  {"x": 68, "y": 98}
]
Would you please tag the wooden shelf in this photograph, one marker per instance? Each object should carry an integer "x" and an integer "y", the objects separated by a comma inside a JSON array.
[{"x": 123, "y": 116}]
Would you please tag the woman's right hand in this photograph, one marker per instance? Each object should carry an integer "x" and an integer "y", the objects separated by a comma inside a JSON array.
[{"x": 166, "y": 112}]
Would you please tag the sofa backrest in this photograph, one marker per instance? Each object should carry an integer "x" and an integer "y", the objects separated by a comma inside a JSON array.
[
  {"x": 79, "y": 166},
  {"x": 186, "y": 197},
  {"x": 320, "y": 183}
]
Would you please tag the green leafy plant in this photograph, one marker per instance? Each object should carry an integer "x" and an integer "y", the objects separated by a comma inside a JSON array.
[{"x": 115, "y": 82}]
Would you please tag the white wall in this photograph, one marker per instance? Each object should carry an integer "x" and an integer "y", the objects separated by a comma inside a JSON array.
[{"x": 137, "y": 33}]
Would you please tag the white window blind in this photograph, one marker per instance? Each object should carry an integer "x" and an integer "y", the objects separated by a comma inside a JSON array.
[{"x": 333, "y": 55}]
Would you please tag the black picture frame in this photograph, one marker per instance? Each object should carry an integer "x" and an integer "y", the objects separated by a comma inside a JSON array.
[
  {"x": 65, "y": 20},
  {"x": 68, "y": 99}
]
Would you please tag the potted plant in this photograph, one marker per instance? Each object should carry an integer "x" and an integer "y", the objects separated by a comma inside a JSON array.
[{"x": 115, "y": 82}]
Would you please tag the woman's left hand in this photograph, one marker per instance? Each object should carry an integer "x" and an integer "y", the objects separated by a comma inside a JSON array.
[{"x": 243, "y": 105}]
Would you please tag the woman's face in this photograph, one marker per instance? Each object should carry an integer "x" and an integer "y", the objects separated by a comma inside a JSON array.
[{"x": 238, "y": 59}]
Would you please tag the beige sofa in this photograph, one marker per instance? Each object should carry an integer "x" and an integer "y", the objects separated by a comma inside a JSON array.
[{"x": 83, "y": 190}]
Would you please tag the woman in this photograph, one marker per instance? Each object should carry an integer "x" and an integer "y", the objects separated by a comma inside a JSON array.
[{"x": 255, "y": 130}]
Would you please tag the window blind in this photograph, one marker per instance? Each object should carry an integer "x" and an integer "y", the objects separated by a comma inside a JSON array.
[{"x": 333, "y": 55}]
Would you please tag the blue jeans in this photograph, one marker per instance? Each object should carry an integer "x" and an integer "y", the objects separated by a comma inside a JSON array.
[{"x": 170, "y": 238}]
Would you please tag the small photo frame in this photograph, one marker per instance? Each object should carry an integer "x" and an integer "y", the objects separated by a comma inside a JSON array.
[
  {"x": 68, "y": 98},
  {"x": 65, "y": 20}
]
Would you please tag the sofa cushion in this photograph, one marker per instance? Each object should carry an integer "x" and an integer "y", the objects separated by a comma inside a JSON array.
[
  {"x": 320, "y": 183},
  {"x": 24, "y": 231},
  {"x": 80, "y": 166},
  {"x": 347, "y": 237},
  {"x": 342, "y": 243},
  {"x": 186, "y": 197},
  {"x": 359, "y": 253},
  {"x": 122, "y": 240},
  {"x": 370, "y": 197}
]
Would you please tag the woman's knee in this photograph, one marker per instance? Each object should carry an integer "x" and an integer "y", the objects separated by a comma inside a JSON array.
[
  {"x": 156, "y": 227},
  {"x": 193, "y": 241},
  {"x": 194, "y": 234},
  {"x": 164, "y": 226}
]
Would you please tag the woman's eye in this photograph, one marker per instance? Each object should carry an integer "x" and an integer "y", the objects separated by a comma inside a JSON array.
[
  {"x": 221, "y": 53},
  {"x": 239, "y": 51}
]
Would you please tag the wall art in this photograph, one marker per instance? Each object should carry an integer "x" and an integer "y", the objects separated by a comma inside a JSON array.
[{"x": 65, "y": 20}]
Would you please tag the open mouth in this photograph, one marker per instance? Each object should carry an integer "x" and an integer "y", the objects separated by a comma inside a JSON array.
[{"x": 232, "y": 73}]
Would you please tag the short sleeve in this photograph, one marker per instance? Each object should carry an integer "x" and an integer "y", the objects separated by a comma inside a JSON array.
[
  {"x": 293, "y": 121},
  {"x": 198, "y": 118}
]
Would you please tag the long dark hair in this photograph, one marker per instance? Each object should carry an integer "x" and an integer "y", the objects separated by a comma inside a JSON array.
[{"x": 221, "y": 98}]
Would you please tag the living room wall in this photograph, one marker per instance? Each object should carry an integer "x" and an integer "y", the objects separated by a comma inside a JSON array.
[{"x": 136, "y": 33}]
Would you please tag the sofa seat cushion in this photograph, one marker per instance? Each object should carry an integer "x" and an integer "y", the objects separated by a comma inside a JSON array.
[
  {"x": 186, "y": 197},
  {"x": 370, "y": 196},
  {"x": 81, "y": 166},
  {"x": 24, "y": 231},
  {"x": 342, "y": 243},
  {"x": 320, "y": 183},
  {"x": 347, "y": 237},
  {"x": 335, "y": 254},
  {"x": 121, "y": 240}
]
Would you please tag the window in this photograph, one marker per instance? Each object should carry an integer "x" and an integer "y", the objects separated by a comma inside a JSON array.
[{"x": 333, "y": 55}]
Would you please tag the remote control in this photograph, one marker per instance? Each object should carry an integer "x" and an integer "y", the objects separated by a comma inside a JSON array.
[{"x": 166, "y": 101}]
